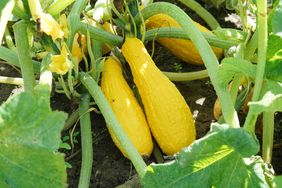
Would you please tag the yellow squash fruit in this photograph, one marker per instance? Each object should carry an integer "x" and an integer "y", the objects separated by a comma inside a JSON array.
[
  {"x": 126, "y": 108},
  {"x": 167, "y": 112},
  {"x": 181, "y": 48}
]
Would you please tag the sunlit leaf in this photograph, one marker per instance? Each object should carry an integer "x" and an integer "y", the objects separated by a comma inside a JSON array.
[
  {"x": 271, "y": 99},
  {"x": 274, "y": 58},
  {"x": 29, "y": 140},
  {"x": 223, "y": 158}
]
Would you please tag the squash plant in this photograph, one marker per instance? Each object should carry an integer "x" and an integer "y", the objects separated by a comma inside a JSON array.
[{"x": 225, "y": 157}]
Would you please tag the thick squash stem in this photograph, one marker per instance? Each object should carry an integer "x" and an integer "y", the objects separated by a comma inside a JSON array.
[
  {"x": 100, "y": 34},
  {"x": 186, "y": 76},
  {"x": 171, "y": 32},
  {"x": 24, "y": 56},
  {"x": 262, "y": 49},
  {"x": 204, "y": 49},
  {"x": 268, "y": 133},
  {"x": 58, "y": 6},
  {"x": 202, "y": 12},
  {"x": 86, "y": 142},
  {"x": 113, "y": 123}
]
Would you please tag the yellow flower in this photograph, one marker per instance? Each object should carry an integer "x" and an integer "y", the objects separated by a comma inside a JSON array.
[
  {"x": 49, "y": 26},
  {"x": 64, "y": 25},
  {"x": 60, "y": 63},
  {"x": 78, "y": 47}
]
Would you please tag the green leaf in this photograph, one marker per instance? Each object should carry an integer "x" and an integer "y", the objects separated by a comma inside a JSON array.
[
  {"x": 220, "y": 159},
  {"x": 276, "y": 17},
  {"x": 274, "y": 58},
  {"x": 29, "y": 140},
  {"x": 271, "y": 100},
  {"x": 231, "y": 67},
  {"x": 278, "y": 181}
]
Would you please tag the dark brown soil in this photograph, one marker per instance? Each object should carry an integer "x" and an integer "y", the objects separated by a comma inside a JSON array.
[{"x": 110, "y": 167}]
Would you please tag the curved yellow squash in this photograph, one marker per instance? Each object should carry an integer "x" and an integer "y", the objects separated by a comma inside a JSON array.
[
  {"x": 181, "y": 48},
  {"x": 167, "y": 112},
  {"x": 126, "y": 108}
]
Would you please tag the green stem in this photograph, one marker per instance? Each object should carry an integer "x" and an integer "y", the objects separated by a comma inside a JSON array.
[
  {"x": 202, "y": 12},
  {"x": 186, "y": 76},
  {"x": 19, "y": 11},
  {"x": 11, "y": 80},
  {"x": 4, "y": 16},
  {"x": 170, "y": 32},
  {"x": 58, "y": 6},
  {"x": 100, "y": 34},
  {"x": 251, "y": 46},
  {"x": 35, "y": 9},
  {"x": 11, "y": 58},
  {"x": 203, "y": 48},
  {"x": 71, "y": 120},
  {"x": 9, "y": 41},
  {"x": 86, "y": 143},
  {"x": 262, "y": 49},
  {"x": 74, "y": 20},
  {"x": 267, "y": 137},
  {"x": 21, "y": 38},
  {"x": 113, "y": 123}
]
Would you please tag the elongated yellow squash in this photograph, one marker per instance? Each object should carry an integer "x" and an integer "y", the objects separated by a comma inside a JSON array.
[
  {"x": 126, "y": 108},
  {"x": 181, "y": 48},
  {"x": 167, "y": 112}
]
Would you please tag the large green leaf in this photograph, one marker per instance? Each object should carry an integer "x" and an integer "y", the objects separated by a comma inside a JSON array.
[
  {"x": 278, "y": 181},
  {"x": 271, "y": 100},
  {"x": 276, "y": 17},
  {"x": 29, "y": 140},
  {"x": 220, "y": 159},
  {"x": 231, "y": 67},
  {"x": 274, "y": 58}
]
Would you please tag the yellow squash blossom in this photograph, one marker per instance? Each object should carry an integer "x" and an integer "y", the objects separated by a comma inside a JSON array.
[
  {"x": 60, "y": 63},
  {"x": 49, "y": 26},
  {"x": 78, "y": 47},
  {"x": 79, "y": 41},
  {"x": 64, "y": 25}
]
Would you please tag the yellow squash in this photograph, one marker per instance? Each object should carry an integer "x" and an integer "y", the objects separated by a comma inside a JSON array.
[
  {"x": 167, "y": 112},
  {"x": 126, "y": 108},
  {"x": 181, "y": 48}
]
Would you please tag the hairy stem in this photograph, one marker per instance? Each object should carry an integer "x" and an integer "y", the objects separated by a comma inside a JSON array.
[
  {"x": 113, "y": 123},
  {"x": 202, "y": 12},
  {"x": 268, "y": 131},
  {"x": 186, "y": 76},
  {"x": 262, "y": 49},
  {"x": 21, "y": 38},
  {"x": 86, "y": 142},
  {"x": 171, "y": 32}
]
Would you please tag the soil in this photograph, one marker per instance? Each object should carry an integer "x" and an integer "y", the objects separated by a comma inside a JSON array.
[{"x": 110, "y": 167}]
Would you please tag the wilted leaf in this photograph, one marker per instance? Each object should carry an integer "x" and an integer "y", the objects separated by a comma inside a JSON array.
[
  {"x": 220, "y": 159},
  {"x": 29, "y": 140},
  {"x": 271, "y": 100}
]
